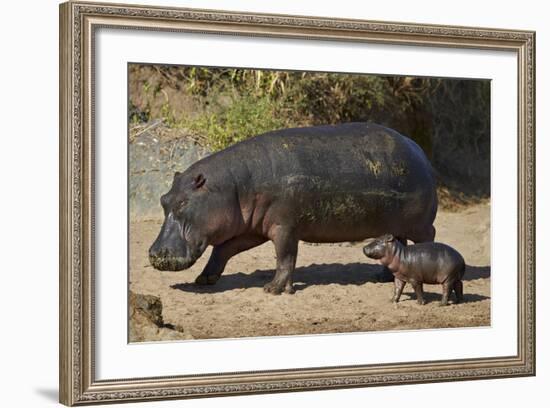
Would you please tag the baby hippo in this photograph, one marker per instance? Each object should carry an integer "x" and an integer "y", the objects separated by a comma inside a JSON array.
[{"x": 428, "y": 262}]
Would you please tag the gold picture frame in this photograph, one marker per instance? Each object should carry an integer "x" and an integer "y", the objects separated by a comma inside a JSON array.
[{"x": 78, "y": 22}]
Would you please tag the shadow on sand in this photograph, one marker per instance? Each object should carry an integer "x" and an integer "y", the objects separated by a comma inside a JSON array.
[
  {"x": 476, "y": 272},
  {"x": 323, "y": 274},
  {"x": 435, "y": 296}
]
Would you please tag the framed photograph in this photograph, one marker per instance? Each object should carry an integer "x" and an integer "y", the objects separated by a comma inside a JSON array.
[{"x": 256, "y": 203}]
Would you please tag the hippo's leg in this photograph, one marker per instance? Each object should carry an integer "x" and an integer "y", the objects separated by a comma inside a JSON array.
[
  {"x": 447, "y": 288},
  {"x": 426, "y": 234},
  {"x": 398, "y": 289},
  {"x": 417, "y": 286},
  {"x": 221, "y": 255},
  {"x": 286, "y": 249},
  {"x": 458, "y": 291}
]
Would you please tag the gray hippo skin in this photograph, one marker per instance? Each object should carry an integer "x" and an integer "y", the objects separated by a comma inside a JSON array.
[
  {"x": 429, "y": 262},
  {"x": 319, "y": 184}
]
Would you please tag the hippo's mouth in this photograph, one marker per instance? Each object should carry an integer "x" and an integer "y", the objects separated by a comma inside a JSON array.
[{"x": 171, "y": 263}]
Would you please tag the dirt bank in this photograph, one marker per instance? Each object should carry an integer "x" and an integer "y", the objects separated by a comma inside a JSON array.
[{"x": 337, "y": 288}]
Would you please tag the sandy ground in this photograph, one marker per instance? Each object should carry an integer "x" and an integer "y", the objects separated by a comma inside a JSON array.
[{"x": 337, "y": 288}]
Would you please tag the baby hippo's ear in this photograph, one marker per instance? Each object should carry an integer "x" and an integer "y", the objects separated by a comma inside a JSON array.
[{"x": 389, "y": 238}]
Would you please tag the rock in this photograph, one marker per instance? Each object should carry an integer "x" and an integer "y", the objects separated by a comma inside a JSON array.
[
  {"x": 147, "y": 306},
  {"x": 154, "y": 158},
  {"x": 146, "y": 322}
]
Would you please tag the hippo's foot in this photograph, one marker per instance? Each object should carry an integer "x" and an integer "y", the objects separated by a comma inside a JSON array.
[
  {"x": 206, "y": 279},
  {"x": 276, "y": 288}
]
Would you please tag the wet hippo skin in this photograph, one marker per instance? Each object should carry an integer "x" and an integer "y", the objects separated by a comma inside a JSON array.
[
  {"x": 318, "y": 184},
  {"x": 430, "y": 262}
]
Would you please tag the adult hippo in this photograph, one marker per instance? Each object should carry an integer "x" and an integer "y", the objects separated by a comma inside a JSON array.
[{"x": 318, "y": 184}]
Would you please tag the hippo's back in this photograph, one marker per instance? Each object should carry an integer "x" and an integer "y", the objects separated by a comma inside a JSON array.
[
  {"x": 363, "y": 153},
  {"x": 341, "y": 182}
]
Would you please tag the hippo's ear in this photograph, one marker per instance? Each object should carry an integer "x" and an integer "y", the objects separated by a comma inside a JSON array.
[
  {"x": 199, "y": 181},
  {"x": 389, "y": 238},
  {"x": 177, "y": 174}
]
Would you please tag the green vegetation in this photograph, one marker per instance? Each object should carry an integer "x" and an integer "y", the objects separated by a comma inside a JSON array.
[
  {"x": 229, "y": 105},
  {"x": 244, "y": 117},
  {"x": 449, "y": 119}
]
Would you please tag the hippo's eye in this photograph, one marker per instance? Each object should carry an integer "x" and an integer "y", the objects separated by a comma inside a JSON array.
[
  {"x": 179, "y": 209},
  {"x": 181, "y": 205}
]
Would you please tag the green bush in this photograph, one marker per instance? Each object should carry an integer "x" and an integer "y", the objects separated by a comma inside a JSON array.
[
  {"x": 245, "y": 116},
  {"x": 449, "y": 118}
]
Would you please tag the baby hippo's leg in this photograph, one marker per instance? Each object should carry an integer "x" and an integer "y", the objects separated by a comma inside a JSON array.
[
  {"x": 447, "y": 288},
  {"x": 398, "y": 286},
  {"x": 417, "y": 286},
  {"x": 458, "y": 291}
]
